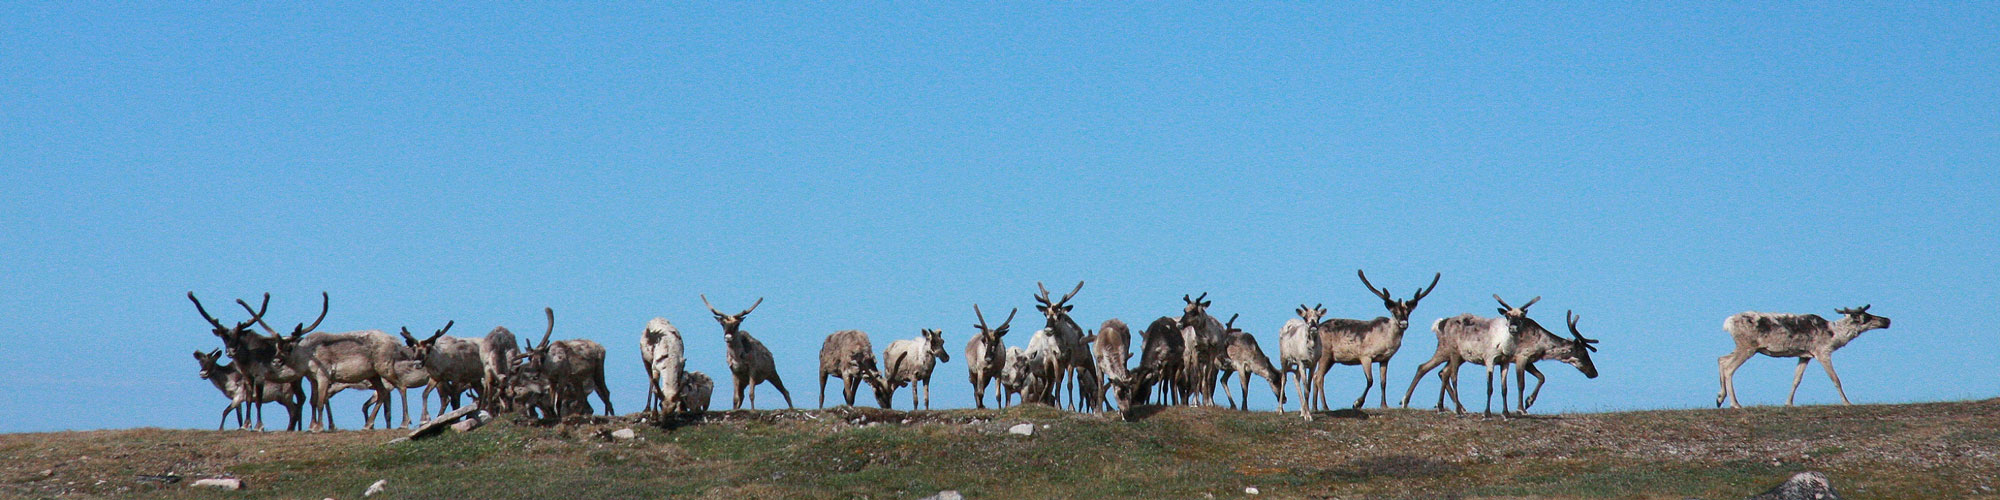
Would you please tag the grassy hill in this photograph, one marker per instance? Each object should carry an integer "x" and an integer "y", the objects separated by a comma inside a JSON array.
[{"x": 1932, "y": 450}]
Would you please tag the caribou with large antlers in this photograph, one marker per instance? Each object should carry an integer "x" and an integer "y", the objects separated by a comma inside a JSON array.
[
  {"x": 250, "y": 354},
  {"x": 749, "y": 361},
  {"x": 1072, "y": 354},
  {"x": 1366, "y": 343},
  {"x": 985, "y": 356},
  {"x": 1803, "y": 336}
]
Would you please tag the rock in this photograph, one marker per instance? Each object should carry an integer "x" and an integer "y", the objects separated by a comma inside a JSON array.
[
  {"x": 625, "y": 434},
  {"x": 1022, "y": 429},
  {"x": 945, "y": 495},
  {"x": 442, "y": 422},
  {"x": 380, "y": 485},
  {"x": 1251, "y": 490},
  {"x": 226, "y": 483},
  {"x": 473, "y": 421},
  {"x": 1802, "y": 486}
]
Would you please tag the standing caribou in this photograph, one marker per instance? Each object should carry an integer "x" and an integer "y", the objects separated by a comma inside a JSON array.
[
  {"x": 1113, "y": 348},
  {"x": 1298, "y": 352},
  {"x": 1803, "y": 336},
  {"x": 1537, "y": 345},
  {"x": 1203, "y": 336},
  {"x": 1358, "y": 342},
  {"x": 749, "y": 361},
  {"x": 910, "y": 362},
  {"x": 1466, "y": 338},
  {"x": 251, "y": 355},
  {"x": 1070, "y": 353},
  {"x": 985, "y": 356},
  {"x": 850, "y": 357}
]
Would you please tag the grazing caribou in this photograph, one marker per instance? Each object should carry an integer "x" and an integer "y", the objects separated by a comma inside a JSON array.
[
  {"x": 1242, "y": 355},
  {"x": 1113, "y": 348},
  {"x": 1366, "y": 343},
  {"x": 660, "y": 350},
  {"x": 1803, "y": 336},
  {"x": 985, "y": 356},
  {"x": 749, "y": 361},
  {"x": 850, "y": 357}
]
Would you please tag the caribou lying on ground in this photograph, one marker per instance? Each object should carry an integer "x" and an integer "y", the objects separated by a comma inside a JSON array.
[{"x": 1803, "y": 336}]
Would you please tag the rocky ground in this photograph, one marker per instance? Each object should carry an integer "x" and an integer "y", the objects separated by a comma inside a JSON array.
[{"x": 1932, "y": 450}]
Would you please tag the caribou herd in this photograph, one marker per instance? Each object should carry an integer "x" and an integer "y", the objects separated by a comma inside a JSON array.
[{"x": 1183, "y": 360}]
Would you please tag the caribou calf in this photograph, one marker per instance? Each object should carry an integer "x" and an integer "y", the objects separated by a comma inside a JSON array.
[
  {"x": 1298, "y": 352},
  {"x": 1803, "y": 336}
]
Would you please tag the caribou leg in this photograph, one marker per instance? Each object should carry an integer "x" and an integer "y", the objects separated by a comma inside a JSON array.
[{"x": 1798, "y": 374}]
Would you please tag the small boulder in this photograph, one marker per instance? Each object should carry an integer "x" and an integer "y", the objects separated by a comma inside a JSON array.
[
  {"x": 945, "y": 495},
  {"x": 1251, "y": 490},
  {"x": 380, "y": 485},
  {"x": 473, "y": 421},
  {"x": 1022, "y": 429},
  {"x": 625, "y": 434},
  {"x": 226, "y": 483},
  {"x": 1802, "y": 486}
]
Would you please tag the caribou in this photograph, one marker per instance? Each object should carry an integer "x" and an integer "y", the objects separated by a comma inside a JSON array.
[
  {"x": 850, "y": 357},
  {"x": 986, "y": 356},
  {"x": 1070, "y": 353},
  {"x": 1242, "y": 355},
  {"x": 251, "y": 355},
  {"x": 660, "y": 351},
  {"x": 1203, "y": 336},
  {"x": 1366, "y": 343},
  {"x": 1803, "y": 336},
  {"x": 574, "y": 369},
  {"x": 1472, "y": 339},
  {"x": 1113, "y": 349},
  {"x": 910, "y": 362},
  {"x": 749, "y": 361},
  {"x": 1298, "y": 352}
]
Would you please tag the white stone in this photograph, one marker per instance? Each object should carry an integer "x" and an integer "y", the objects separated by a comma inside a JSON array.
[
  {"x": 379, "y": 486},
  {"x": 1022, "y": 429},
  {"x": 945, "y": 495},
  {"x": 227, "y": 483},
  {"x": 1250, "y": 490},
  {"x": 624, "y": 434}
]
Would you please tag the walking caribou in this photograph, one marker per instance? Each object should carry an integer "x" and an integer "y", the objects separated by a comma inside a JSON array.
[
  {"x": 1803, "y": 336},
  {"x": 1466, "y": 338}
]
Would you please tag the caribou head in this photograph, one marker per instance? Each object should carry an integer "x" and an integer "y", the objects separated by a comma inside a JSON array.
[
  {"x": 240, "y": 340},
  {"x": 730, "y": 323},
  {"x": 425, "y": 346},
  {"x": 1860, "y": 316},
  {"x": 1577, "y": 351},
  {"x": 1056, "y": 310},
  {"x": 1400, "y": 309},
  {"x": 935, "y": 340},
  {"x": 1517, "y": 317},
  {"x": 1195, "y": 308}
]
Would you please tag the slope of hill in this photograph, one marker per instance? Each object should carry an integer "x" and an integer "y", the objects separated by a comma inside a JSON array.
[{"x": 1930, "y": 450}]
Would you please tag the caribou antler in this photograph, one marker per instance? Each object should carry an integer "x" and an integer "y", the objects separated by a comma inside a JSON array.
[
  {"x": 552, "y": 326},
  {"x": 1231, "y": 324},
  {"x": 711, "y": 307},
  {"x": 1425, "y": 292},
  {"x": 1586, "y": 343},
  {"x": 753, "y": 307},
  {"x": 447, "y": 328},
  {"x": 203, "y": 311},
  {"x": 1383, "y": 292}
]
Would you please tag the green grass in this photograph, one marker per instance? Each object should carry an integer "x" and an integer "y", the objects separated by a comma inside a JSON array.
[{"x": 1936, "y": 450}]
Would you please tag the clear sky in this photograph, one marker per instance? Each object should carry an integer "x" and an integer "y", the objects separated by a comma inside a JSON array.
[{"x": 884, "y": 167}]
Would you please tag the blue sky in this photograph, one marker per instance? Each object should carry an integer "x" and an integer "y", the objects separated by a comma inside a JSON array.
[{"x": 884, "y": 167}]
